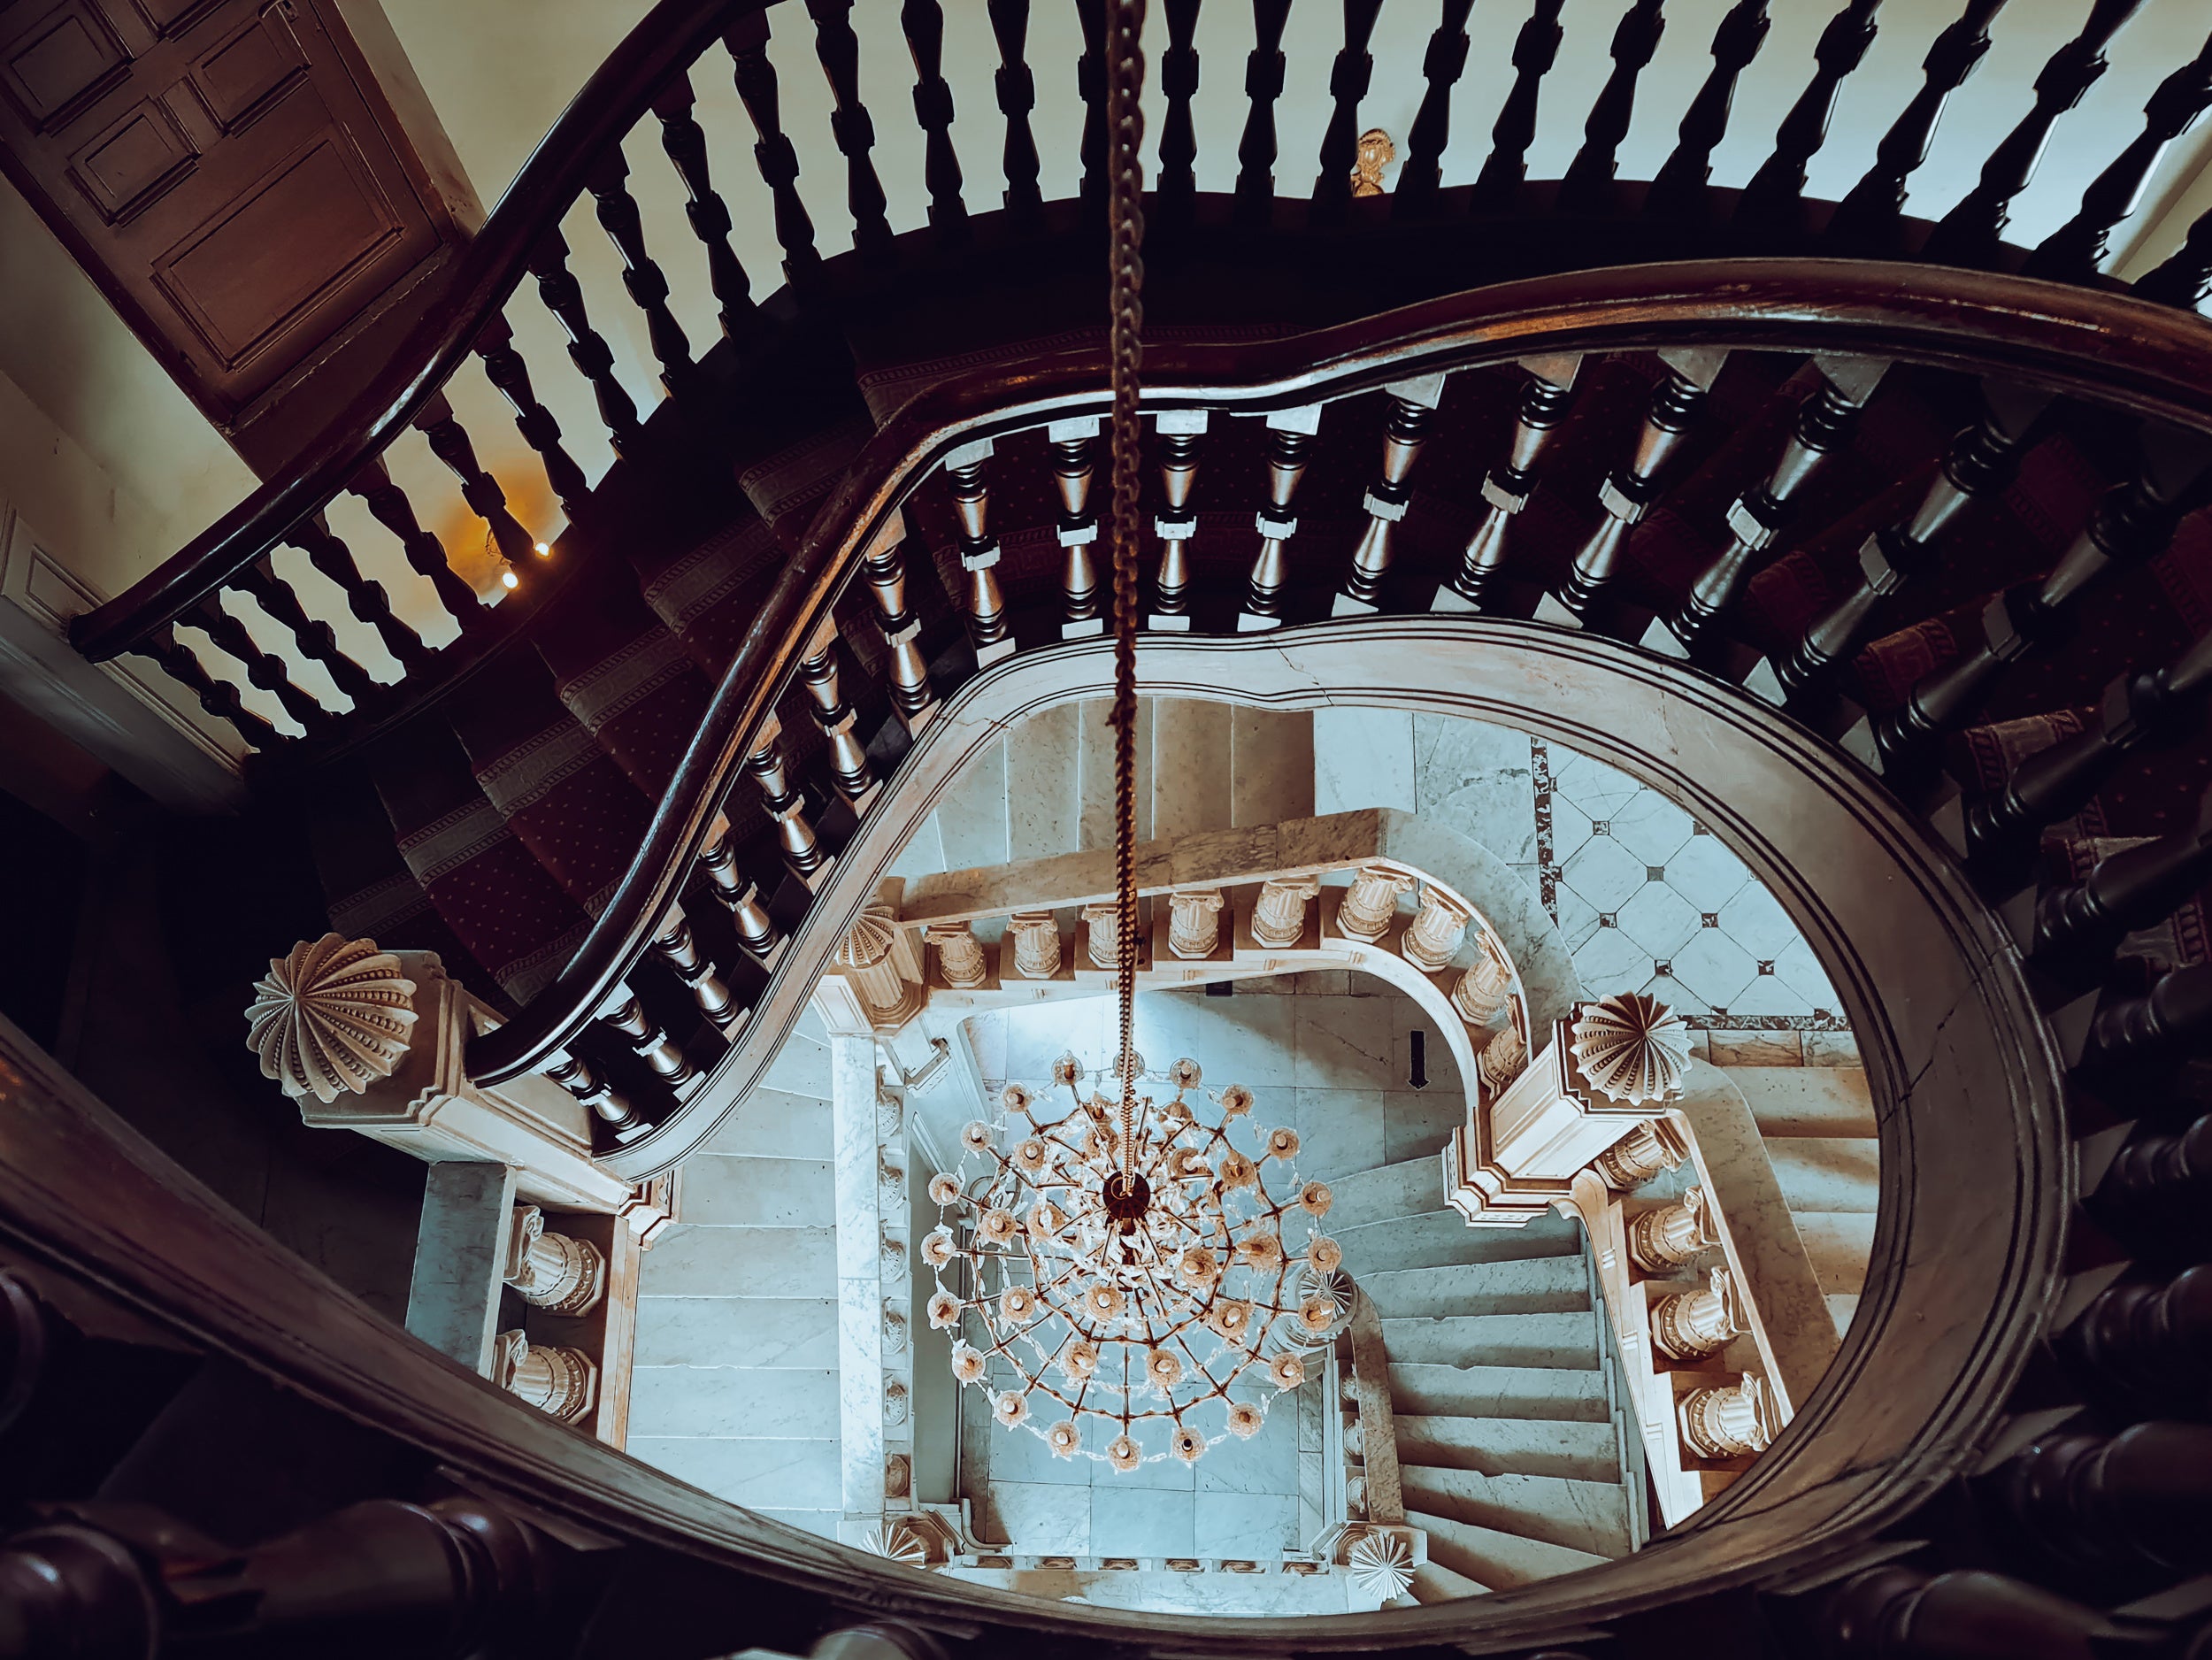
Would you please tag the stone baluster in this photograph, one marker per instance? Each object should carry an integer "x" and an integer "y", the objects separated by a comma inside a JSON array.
[
  {"x": 505, "y": 368},
  {"x": 1869, "y": 219},
  {"x": 1436, "y": 932},
  {"x": 1101, "y": 934},
  {"x": 1279, "y": 920},
  {"x": 1503, "y": 1059},
  {"x": 1669, "y": 1235},
  {"x": 960, "y": 958},
  {"x": 1682, "y": 187},
  {"x": 1728, "y": 1421},
  {"x": 219, "y": 698},
  {"x": 625, "y": 1016},
  {"x": 1264, "y": 69},
  {"x": 561, "y": 294},
  {"x": 609, "y": 184},
  {"x": 1370, "y": 903},
  {"x": 1776, "y": 192},
  {"x": 1421, "y": 174},
  {"x": 1652, "y": 1146},
  {"x": 2151, "y": 1340},
  {"x": 867, "y": 960},
  {"x": 2133, "y": 523},
  {"x": 1507, "y": 488},
  {"x": 794, "y": 836},
  {"x": 449, "y": 442},
  {"x": 587, "y": 1083},
  {"x": 1697, "y": 1325},
  {"x": 850, "y": 767},
  {"x": 685, "y": 141},
  {"x": 1980, "y": 462},
  {"x": 1194, "y": 926},
  {"x": 1072, "y": 471},
  {"x": 673, "y": 944},
  {"x": 1412, "y": 406},
  {"x": 550, "y": 1271},
  {"x": 1178, "y": 432},
  {"x": 1036, "y": 943},
  {"x": 1348, "y": 77},
  {"x": 1483, "y": 989},
  {"x": 1290, "y": 434},
  {"x": 1826, "y": 423},
  {"x": 1589, "y": 185},
  {"x": 1535, "y": 49},
  {"x": 1630, "y": 489},
  {"x": 773, "y": 154},
  {"x": 364, "y": 598},
  {"x": 884, "y": 571},
  {"x": 1016, "y": 89},
  {"x": 923, "y": 23},
  {"x": 562, "y": 1383},
  {"x": 988, "y": 625},
  {"x": 2167, "y": 1023}
]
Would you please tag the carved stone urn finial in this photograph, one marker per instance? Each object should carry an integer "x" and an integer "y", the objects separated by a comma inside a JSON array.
[
  {"x": 335, "y": 1015},
  {"x": 1631, "y": 1048}
]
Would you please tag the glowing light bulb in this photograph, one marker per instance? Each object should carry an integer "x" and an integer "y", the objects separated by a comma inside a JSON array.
[
  {"x": 543, "y": 549},
  {"x": 507, "y": 579}
]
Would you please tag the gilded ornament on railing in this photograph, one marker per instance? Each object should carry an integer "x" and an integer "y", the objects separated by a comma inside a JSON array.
[
  {"x": 1631, "y": 1048},
  {"x": 335, "y": 1015},
  {"x": 1377, "y": 151}
]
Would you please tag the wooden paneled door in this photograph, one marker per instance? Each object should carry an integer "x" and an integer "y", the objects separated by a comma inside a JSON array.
[{"x": 239, "y": 183}]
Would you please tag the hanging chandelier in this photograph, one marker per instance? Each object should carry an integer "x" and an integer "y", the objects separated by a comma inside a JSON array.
[{"x": 1132, "y": 1270}]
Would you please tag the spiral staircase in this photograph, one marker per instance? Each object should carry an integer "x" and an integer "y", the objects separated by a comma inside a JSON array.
[{"x": 1880, "y": 544}]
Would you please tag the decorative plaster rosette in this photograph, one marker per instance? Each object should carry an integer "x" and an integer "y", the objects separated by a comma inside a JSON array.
[
  {"x": 1631, "y": 1048},
  {"x": 1381, "y": 1564},
  {"x": 335, "y": 1015}
]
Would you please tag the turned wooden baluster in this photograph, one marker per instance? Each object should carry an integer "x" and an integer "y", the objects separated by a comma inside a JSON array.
[
  {"x": 1179, "y": 431},
  {"x": 1684, "y": 181},
  {"x": 2136, "y": 1500},
  {"x": 1979, "y": 463},
  {"x": 2147, "y": 711},
  {"x": 1263, "y": 86},
  {"x": 686, "y": 144},
  {"x": 2185, "y": 277},
  {"x": 848, "y": 765},
  {"x": 1072, "y": 471},
  {"x": 219, "y": 698},
  {"x": 1505, "y": 169},
  {"x": 366, "y": 599},
  {"x": 1969, "y": 233},
  {"x": 674, "y": 946},
  {"x": 989, "y": 627},
  {"x": 1090, "y": 84},
  {"x": 315, "y": 640},
  {"x": 2152, "y": 1341},
  {"x": 1348, "y": 77},
  {"x": 1825, "y": 422},
  {"x": 1869, "y": 217},
  {"x": 1777, "y": 189},
  {"x": 587, "y": 1084},
  {"x": 756, "y": 930},
  {"x": 1507, "y": 488},
  {"x": 2133, "y": 523},
  {"x": 1412, "y": 407},
  {"x": 1176, "y": 186},
  {"x": 617, "y": 209},
  {"x": 1630, "y": 490},
  {"x": 1290, "y": 434},
  {"x": 1017, "y": 90},
  {"x": 264, "y": 668},
  {"x": 776, "y": 161},
  {"x": 786, "y": 805},
  {"x": 505, "y": 368},
  {"x": 1421, "y": 174},
  {"x": 587, "y": 349},
  {"x": 838, "y": 51},
  {"x": 2075, "y": 250},
  {"x": 2164, "y": 1181},
  {"x": 2080, "y": 927},
  {"x": 1895, "y": 1612},
  {"x": 883, "y": 568},
  {"x": 389, "y": 505},
  {"x": 626, "y": 1017},
  {"x": 449, "y": 442},
  {"x": 923, "y": 23},
  {"x": 1588, "y": 185}
]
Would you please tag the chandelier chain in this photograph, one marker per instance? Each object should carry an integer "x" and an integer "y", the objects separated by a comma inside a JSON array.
[{"x": 1125, "y": 125}]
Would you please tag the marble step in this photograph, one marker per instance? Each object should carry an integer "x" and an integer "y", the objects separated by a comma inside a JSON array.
[
  {"x": 1582, "y": 1450},
  {"x": 1830, "y": 1173},
  {"x": 1536, "y": 1392},
  {"x": 1839, "y": 1244},
  {"x": 1499, "y": 1560},
  {"x": 1437, "y": 1239},
  {"x": 1494, "y": 1340},
  {"x": 1843, "y": 1307},
  {"x": 1590, "y": 1516},
  {"x": 1807, "y": 1101},
  {"x": 776, "y": 1123},
  {"x": 1409, "y": 1188},
  {"x": 1433, "y": 1582},
  {"x": 1540, "y": 1285},
  {"x": 752, "y": 1192}
]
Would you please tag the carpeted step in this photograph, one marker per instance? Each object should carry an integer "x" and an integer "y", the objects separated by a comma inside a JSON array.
[
  {"x": 1590, "y": 1516},
  {"x": 1494, "y": 1340},
  {"x": 1574, "y": 1394},
  {"x": 1577, "y": 1450},
  {"x": 1500, "y": 1560}
]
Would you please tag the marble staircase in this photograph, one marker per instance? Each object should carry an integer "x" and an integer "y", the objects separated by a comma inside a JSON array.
[
  {"x": 735, "y": 1384},
  {"x": 1510, "y": 1432},
  {"x": 1818, "y": 1125}
]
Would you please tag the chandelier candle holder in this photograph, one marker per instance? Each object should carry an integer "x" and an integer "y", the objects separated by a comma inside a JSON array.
[{"x": 1132, "y": 1261}]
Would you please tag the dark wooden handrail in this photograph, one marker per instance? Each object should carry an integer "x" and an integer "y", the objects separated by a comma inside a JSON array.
[
  {"x": 666, "y": 41},
  {"x": 2127, "y": 353}
]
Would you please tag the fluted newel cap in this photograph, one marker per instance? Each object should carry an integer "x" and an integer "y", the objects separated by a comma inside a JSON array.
[
  {"x": 869, "y": 941},
  {"x": 334, "y": 1016},
  {"x": 1381, "y": 1564},
  {"x": 1631, "y": 1048}
]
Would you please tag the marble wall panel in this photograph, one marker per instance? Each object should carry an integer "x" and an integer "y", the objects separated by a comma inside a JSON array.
[
  {"x": 1043, "y": 766},
  {"x": 1270, "y": 765},
  {"x": 1191, "y": 766}
]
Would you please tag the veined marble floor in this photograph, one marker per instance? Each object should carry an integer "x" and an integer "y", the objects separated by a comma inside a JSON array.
[{"x": 1647, "y": 898}]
